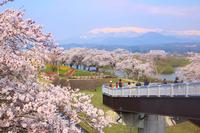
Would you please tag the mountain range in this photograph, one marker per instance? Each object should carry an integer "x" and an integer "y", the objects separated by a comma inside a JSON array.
[{"x": 138, "y": 43}]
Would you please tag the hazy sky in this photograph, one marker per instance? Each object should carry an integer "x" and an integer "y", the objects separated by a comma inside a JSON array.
[{"x": 75, "y": 18}]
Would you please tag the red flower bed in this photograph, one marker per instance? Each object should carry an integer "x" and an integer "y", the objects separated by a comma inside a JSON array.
[{"x": 51, "y": 73}]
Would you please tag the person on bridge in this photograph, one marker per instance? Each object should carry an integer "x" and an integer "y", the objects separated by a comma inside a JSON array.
[
  {"x": 176, "y": 80},
  {"x": 129, "y": 84},
  {"x": 138, "y": 84},
  {"x": 117, "y": 85},
  {"x": 110, "y": 85},
  {"x": 120, "y": 83},
  {"x": 146, "y": 82},
  {"x": 164, "y": 81}
]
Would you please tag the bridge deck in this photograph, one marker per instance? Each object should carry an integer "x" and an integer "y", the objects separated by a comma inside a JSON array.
[
  {"x": 169, "y": 90},
  {"x": 170, "y": 100}
]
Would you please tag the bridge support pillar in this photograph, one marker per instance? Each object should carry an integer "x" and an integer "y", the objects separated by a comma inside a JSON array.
[{"x": 153, "y": 124}]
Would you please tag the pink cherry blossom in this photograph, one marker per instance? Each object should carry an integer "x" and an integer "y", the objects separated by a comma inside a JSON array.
[{"x": 27, "y": 104}]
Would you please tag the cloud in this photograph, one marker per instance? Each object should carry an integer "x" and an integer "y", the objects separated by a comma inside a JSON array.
[
  {"x": 122, "y": 30},
  {"x": 137, "y": 31}
]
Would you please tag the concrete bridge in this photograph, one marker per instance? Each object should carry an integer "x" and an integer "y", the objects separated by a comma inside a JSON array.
[{"x": 153, "y": 102}]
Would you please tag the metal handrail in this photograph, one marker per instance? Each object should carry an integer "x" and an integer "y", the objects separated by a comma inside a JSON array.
[{"x": 171, "y": 90}]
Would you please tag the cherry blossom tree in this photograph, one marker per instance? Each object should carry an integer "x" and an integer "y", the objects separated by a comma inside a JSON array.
[
  {"x": 135, "y": 68},
  {"x": 120, "y": 54},
  {"x": 191, "y": 71},
  {"x": 26, "y": 105},
  {"x": 75, "y": 56},
  {"x": 56, "y": 57},
  {"x": 3, "y": 2},
  {"x": 128, "y": 66},
  {"x": 118, "y": 59},
  {"x": 98, "y": 58}
]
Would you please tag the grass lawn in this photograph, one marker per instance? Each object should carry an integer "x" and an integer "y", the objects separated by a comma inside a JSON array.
[
  {"x": 97, "y": 99},
  {"x": 167, "y": 65},
  {"x": 119, "y": 128},
  {"x": 84, "y": 73},
  {"x": 61, "y": 69},
  {"x": 185, "y": 127}
]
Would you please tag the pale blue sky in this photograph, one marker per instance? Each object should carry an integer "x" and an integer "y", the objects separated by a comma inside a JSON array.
[{"x": 75, "y": 18}]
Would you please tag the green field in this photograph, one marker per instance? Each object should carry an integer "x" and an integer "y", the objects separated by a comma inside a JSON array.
[
  {"x": 97, "y": 98},
  {"x": 167, "y": 65},
  {"x": 60, "y": 69},
  {"x": 119, "y": 128},
  {"x": 65, "y": 69},
  {"x": 97, "y": 102},
  {"x": 185, "y": 127},
  {"x": 84, "y": 73}
]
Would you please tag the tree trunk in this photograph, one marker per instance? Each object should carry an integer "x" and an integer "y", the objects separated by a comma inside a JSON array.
[
  {"x": 97, "y": 69},
  {"x": 84, "y": 67},
  {"x": 128, "y": 75}
]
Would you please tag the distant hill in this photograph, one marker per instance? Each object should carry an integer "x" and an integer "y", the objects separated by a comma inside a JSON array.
[
  {"x": 168, "y": 47},
  {"x": 141, "y": 43},
  {"x": 147, "y": 38}
]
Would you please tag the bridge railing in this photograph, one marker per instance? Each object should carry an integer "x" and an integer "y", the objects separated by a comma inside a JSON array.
[{"x": 169, "y": 90}]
